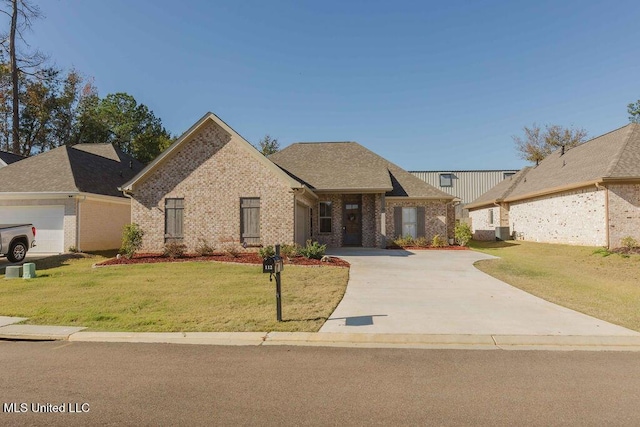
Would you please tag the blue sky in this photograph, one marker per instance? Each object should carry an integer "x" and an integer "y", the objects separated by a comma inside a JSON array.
[{"x": 428, "y": 85}]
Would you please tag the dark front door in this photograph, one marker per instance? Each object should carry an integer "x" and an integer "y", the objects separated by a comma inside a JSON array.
[{"x": 352, "y": 223}]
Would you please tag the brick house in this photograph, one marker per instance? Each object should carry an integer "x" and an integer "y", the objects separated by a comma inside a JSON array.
[
  {"x": 70, "y": 194},
  {"x": 587, "y": 195},
  {"x": 212, "y": 185}
]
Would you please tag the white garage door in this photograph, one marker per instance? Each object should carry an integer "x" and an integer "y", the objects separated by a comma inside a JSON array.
[{"x": 48, "y": 220}]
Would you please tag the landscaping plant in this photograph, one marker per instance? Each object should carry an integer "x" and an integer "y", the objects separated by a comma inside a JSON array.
[
  {"x": 174, "y": 250},
  {"x": 463, "y": 233},
  {"x": 204, "y": 248},
  {"x": 266, "y": 252},
  {"x": 131, "y": 240},
  {"x": 313, "y": 250},
  {"x": 438, "y": 241}
]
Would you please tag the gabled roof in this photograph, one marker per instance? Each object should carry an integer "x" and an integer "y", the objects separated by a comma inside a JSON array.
[
  {"x": 350, "y": 167},
  {"x": 501, "y": 190},
  {"x": 609, "y": 157},
  {"x": 89, "y": 168},
  {"x": 7, "y": 158},
  {"x": 188, "y": 136}
]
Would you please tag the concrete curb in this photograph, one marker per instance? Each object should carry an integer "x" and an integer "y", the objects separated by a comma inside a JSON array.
[
  {"x": 207, "y": 338},
  {"x": 38, "y": 333}
]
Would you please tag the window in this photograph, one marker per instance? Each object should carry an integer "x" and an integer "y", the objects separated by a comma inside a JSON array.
[
  {"x": 446, "y": 180},
  {"x": 250, "y": 221},
  {"x": 325, "y": 217},
  {"x": 173, "y": 220},
  {"x": 410, "y": 222},
  {"x": 506, "y": 175},
  {"x": 490, "y": 216}
]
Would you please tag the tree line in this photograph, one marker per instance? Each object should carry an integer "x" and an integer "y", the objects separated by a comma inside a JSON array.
[{"x": 43, "y": 107}]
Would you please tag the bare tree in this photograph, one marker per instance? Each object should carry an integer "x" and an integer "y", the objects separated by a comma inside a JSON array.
[
  {"x": 536, "y": 144},
  {"x": 634, "y": 112},
  {"x": 21, "y": 13}
]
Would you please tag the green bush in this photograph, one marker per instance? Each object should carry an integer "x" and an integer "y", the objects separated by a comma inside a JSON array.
[
  {"x": 405, "y": 240},
  {"x": 313, "y": 250},
  {"x": 463, "y": 233},
  {"x": 629, "y": 242},
  {"x": 266, "y": 252},
  {"x": 290, "y": 251},
  {"x": 438, "y": 241},
  {"x": 174, "y": 250},
  {"x": 131, "y": 240},
  {"x": 204, "y": 248},
  {"x": 421, "y": 242}
]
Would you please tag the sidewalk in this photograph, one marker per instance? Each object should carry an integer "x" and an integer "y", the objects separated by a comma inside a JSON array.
[{"x": 10, "y": 330}]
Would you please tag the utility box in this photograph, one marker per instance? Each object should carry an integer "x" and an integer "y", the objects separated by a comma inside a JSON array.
[
  {"x": 503, "y": 233},
  {"x": 273, "y": 264}
]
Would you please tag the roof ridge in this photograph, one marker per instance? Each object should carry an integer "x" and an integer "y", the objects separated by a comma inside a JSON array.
[
  {"x": 70, "y": 166},
  {"x": 633, "y": 127}
]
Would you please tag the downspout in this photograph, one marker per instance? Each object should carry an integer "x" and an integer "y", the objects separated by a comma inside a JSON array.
[
  {"x": 79, "y": 200},
  {"x": 599, "y": 186}
]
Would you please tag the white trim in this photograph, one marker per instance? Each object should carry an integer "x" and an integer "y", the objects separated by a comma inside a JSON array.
[{"x": 64, "y": 195}]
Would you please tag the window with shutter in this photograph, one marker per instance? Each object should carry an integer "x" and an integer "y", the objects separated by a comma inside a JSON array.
[
  {"x": 173, "y": 220},
  {"x": 250, "y": 220},
  {"x": 325, "y": 217}
]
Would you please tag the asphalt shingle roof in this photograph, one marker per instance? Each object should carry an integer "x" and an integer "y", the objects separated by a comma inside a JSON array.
[
  {"x": 90, "y": 168},
  {"x": 613, "y": 155},
  {"x": 350, "y": 167},
  {"x": 9, "y": 158}
]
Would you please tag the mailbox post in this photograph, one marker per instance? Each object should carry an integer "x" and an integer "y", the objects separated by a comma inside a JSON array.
[{"x": 275, "y": 265}]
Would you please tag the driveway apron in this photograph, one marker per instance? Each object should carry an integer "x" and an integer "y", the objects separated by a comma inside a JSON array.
[{"x": 441, "y": 292}]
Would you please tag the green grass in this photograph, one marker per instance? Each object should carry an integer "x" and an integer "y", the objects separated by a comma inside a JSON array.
[
  {"x": 586, "y": 279},
  {"x": 186, "y": 296}
]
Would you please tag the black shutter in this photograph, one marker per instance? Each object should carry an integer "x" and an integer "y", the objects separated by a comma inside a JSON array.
[
  {"x": 420, "y": 221},
  {"x": 397, "y": 221}
]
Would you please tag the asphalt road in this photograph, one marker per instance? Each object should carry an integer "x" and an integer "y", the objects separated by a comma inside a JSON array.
[{"x": 168, "y": 384}]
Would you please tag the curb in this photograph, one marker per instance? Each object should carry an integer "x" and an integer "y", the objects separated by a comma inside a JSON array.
[{"x": 324, "y": 339}]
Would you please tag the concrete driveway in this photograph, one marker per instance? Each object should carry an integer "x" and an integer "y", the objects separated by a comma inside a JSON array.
[
  {"x": 441, "y": 292},
  {"x": 4, "y": 262}
]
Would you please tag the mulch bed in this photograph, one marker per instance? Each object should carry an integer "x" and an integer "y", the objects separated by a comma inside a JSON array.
[
  {"x": 431, "y": 248},
  {"x": 243, "y": 258}
]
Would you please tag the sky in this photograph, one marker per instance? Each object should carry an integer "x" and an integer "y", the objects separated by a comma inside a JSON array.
[{"x": 429, "y": 85}]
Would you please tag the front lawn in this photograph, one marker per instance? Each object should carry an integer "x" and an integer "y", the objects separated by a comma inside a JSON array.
[
  {"x": 585, "y": 279},
  {"x": 169, "y": 297}
]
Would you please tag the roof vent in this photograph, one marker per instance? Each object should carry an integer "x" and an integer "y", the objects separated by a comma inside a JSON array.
[
  {"x": 562, "y": 152},
  {"x": 130, "y": 164}
]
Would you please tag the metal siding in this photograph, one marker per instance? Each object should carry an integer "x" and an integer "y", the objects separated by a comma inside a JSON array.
[{"x": 467, "y": 185}]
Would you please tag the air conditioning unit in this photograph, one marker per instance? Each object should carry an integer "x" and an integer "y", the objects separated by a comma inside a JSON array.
[{"x": 503, "y": 233}]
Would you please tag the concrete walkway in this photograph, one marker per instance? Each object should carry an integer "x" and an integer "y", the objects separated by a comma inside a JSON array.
[{"x": 441, "y": 292}]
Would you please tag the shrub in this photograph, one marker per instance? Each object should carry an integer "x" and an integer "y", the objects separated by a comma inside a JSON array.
[
  {"x": 421, "y": 242},
  {"x": 204, "y": 248},
  {"x": 438, "y": 241},
  {"x": 231, "y": 247},
  {"x": 290, "y": 251},
  {"x": 174, "y": 250},
  {"x": 131, "y": 240},
  {"x": 313, "y": 250},
  {"x": 73, "y": 249},
  {"x": 463, "y": 233},
  {"x": 266, "y": 252},
  {"x": 629, "y": 242},
  {"x": 405, "y": 240}
]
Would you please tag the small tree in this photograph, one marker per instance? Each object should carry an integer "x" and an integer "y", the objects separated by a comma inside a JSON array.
[
  {"x": 131, "y": 240},
  {"x": 268, "y": 145},
  {"x": 634, "y": 112}
]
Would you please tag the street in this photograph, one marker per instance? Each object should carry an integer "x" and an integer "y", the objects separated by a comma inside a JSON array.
[{"x": 168, "y": 384}]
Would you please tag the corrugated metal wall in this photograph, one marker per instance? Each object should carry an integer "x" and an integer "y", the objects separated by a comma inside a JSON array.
[{"x": 466, "y": 185}]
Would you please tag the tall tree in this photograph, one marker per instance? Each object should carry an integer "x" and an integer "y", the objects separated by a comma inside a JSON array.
[
  {"x": 268, "y": 145},
  {"x": 634, "y": 112},
  {"x": 536, "y": 143},
  {"x": 119, "y": 119},
  {"x": 21, "y": 14}
]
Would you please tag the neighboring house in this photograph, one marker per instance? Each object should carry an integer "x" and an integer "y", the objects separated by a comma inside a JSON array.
[
  {"x": 71, "y": 196},
  {"x": 7, "y": 158},
  {"x": 465, "y": 185},
  {"x": 587, "y": 195},
  {"x": 212, "y": 185}
]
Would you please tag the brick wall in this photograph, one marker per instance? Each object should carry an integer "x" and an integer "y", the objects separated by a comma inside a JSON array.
[
  {"x": 624, "y": 212},
  {"x": 574, "y": 217},
  {"x": 101, "y": 224},
  {"x": 212, "y": 172},
  {"x": 437, "y": 215},
  {"x": 481, "y": 225},
  {"x": 333, "y": 239}
]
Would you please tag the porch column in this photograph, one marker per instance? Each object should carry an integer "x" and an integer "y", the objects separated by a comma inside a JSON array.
[{"x": 383, "y": 222}]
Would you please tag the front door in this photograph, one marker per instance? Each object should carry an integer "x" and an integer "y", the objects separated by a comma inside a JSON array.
[{"x": 352, "y": 223}]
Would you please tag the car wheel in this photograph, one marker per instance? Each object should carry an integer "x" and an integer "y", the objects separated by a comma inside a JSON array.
[{"x": 17, "y": 252}]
